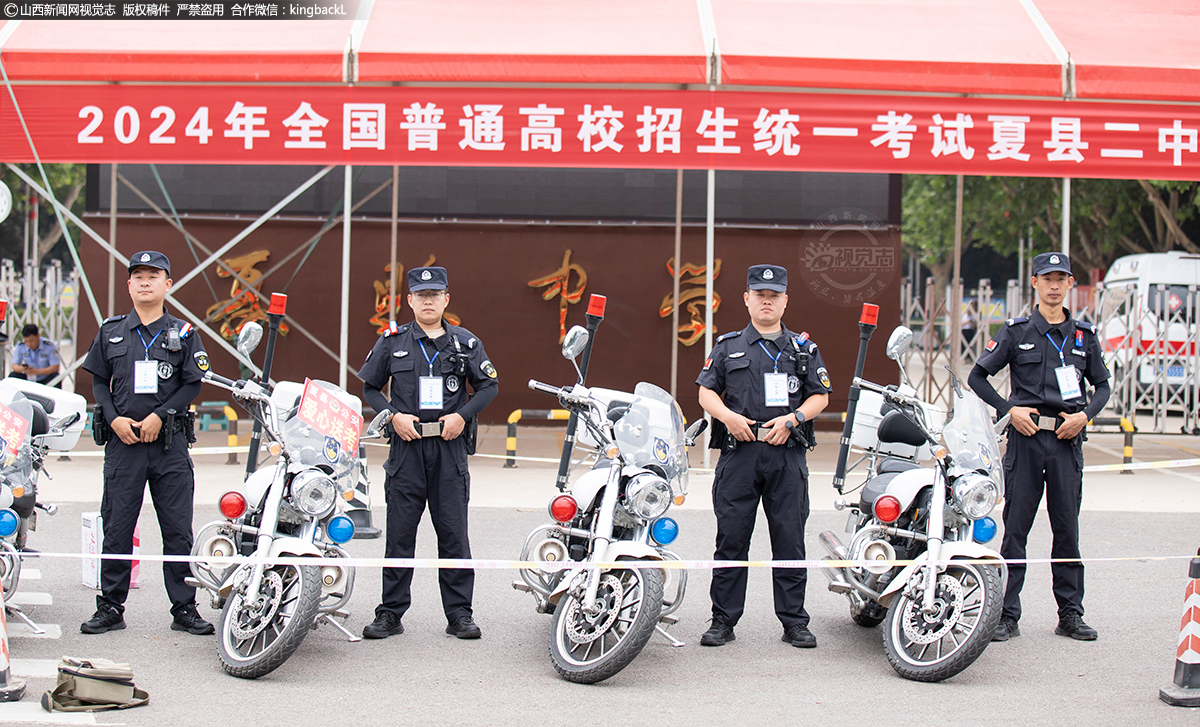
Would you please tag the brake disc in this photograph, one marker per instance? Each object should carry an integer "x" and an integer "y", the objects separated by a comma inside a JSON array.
[
  {"x": 252, "y": 619},
  {"x": 921, "y": 628},
  {"x": 583, "y": 627}
]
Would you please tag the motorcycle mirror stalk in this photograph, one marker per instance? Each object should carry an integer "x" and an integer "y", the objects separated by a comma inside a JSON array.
[{"x": 595, "y": 314}]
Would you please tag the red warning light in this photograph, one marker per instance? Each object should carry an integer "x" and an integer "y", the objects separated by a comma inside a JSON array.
[
  {"x": 278, "y": 304},
  {"x": 596, "y": 306},
  {"x": 870, "y": 314}
]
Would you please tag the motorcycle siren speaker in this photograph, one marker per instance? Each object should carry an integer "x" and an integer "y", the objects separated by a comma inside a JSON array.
[
  {"x": 877, "y": 553},
  {"x": 218, "y": 550},
  {"x": 333, "y": 578},
  {"x": 550, "y": 551}
]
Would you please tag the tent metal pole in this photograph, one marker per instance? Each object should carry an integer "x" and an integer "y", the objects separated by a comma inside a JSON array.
[
  {"x": 709, "y": 240},
  {"x": 1066, "y": 216},
  {"x": 344, "y": 343},
  {"x": 252, "y": 287},
  {"x": 678, "y": 265},
  {"x": 112, "y": 239},
  {"x": 956, "y": 291},
  {"x": 252, "y": 227},
  {"x": 395, "y": 233}
]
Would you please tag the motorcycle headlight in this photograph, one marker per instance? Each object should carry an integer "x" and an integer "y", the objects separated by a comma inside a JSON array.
[
  {"x": 975, "y": 495},
  {"x": 313, "y": 492},
  {"x": 647, "y": 496}
]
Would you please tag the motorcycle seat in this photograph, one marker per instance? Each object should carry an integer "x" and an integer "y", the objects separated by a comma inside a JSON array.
[
  {"x": 874, "y": 488},
  {"x": 894, "y": 464}
]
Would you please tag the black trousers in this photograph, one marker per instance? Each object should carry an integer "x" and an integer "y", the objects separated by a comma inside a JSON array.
[
  {"x": 1032, "y": 465},
  {"x": 127, "y": 469},
  {"x": 778, "y": 477},
  {"x": 431, "y": 471}
]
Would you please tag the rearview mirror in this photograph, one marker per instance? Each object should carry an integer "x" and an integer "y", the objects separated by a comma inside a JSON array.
[
  {"x": 899, "y": 342},
  {"x": 249, "y": 338},
  {"x": 375, "y": 430},
  {"x": 695, "y": 430},
  {"x": 574, "y": 342}
]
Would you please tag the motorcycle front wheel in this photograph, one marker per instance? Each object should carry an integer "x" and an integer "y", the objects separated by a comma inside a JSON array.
[
  {"x": 930, "y": 647},
  {"x": 258, "y": 634},
  {"x": 587, "y": 648}
]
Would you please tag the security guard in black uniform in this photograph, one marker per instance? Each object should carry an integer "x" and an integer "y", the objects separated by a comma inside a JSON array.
[
  {"x": 1049, "y": 356},
  {"x": 430, "y": 363},
  {"x": 774, "y": 383},
  {"x": 146, "y": 369}
]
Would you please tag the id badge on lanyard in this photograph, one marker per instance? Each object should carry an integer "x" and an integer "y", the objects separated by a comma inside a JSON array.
[
  {"x": 776, "y": 387},
  {"x": 431, "y": 392},
  {"x": 145, "y": 377},
  {"x": 1068, "y": 379}
]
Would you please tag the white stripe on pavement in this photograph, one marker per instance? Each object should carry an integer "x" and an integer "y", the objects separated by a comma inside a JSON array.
[
  {"x": 40, "y": 668},
  {"x": 31, "y": 599},
  {"x": 33, "y": 712},
  {"x": 18, "y": 630},
  {"x": 31, "y": 574}
]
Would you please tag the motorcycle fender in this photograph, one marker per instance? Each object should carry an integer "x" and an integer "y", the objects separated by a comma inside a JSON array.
[
  {"x": 280, "y": 548},
  {"x": 586, "y": 486},
  {"x": 964, "y": 550},
  {"x": 621, "y": 548},
  {"x": 255, "y": 487}
]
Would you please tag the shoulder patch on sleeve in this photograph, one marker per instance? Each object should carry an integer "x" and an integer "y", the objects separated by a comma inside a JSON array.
[
  {"x": 1015, "y": 321},
  {"x": 201, "y": 360},
  {"x": 488, "y": 369},
  {"x": 731, "y": 334},
  {"x": 991, "y": 345}
]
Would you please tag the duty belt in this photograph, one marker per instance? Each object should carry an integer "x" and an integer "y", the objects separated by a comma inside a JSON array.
[
  {"x": 1050, "y": 424},
  {"x": 429, "y": 429}
]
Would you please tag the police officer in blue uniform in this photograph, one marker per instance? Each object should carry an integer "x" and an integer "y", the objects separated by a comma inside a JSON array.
[
  {"x": 430, "y": 363},
  {"x": 1049, "y": 357},
  {"x": 763, "y": 386},
  {"x": 146, "y": 370},
  {"x": 34, "y": 356}
]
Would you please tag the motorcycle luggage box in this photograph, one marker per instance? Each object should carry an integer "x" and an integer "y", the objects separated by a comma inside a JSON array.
[
  {"x": 865, "y": 434},
  {"x": 57, "y": 404}
]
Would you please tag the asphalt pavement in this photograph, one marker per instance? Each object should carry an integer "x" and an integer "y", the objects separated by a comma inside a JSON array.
[{"x": 1138, "y": 525}]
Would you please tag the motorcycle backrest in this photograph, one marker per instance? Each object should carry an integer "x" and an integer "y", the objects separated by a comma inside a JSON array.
[
  {"x": 865, "y": 433},
  {"x": 897, "y": 428}
]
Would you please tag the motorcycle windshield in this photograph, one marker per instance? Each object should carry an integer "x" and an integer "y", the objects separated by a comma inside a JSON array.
[
  {"x": 307, "y": 445},
  {"x": 16, "y": 419},
  {"x": 970, "y": 438},
  {"x": 651, "y": 434}
]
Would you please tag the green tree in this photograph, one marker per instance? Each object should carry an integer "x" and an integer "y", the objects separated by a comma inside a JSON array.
[{"x": 67, "y": 181}]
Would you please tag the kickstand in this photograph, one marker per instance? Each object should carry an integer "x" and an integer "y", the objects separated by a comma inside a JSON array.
[
  {"x": 14, "y": 609},
  {"x": 349, "y": 636},
  {"x": 674, "y": 641}
]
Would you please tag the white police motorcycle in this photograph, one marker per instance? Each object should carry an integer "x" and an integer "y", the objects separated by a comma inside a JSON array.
[
  {"x": 292, "y": 509},
  {"x": 615, "y": 512},
  {"x": 940, "y": 608},
  {"x": 27, "y": 434}
]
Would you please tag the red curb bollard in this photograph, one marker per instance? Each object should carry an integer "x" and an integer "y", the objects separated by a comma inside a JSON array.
[
  {"x": 11, "y": 689},
  {"x": 1185, "y": 691}
]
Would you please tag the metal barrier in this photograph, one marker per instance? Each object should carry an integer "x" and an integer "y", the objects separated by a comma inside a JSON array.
[
  {"x": 516, "y": 416},
  {"x": 1127, "y": 427},
  {"x": 231, "y": 415}
]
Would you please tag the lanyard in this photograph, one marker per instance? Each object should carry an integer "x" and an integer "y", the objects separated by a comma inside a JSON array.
[
  {"x": 1058, "y": 348},
  {"x": 426, "y": 354},
  {"x": 774, "y": 359},
  {"x": 152, "y": 340}
]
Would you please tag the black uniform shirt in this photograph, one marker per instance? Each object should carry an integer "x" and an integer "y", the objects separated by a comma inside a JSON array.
[
  {"x": 118, "y": 345},
  {"x": 1023, "y": 346},
  {"x": 736, "y": 365},
  {"x": 399, "y": 356}
]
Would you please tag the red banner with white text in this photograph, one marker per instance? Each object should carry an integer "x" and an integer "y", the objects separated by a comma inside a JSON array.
[{"x": 488, "y": 127}]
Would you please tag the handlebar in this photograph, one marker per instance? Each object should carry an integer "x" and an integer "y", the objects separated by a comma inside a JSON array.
[
  {"x": 220, "y": 380},
  {"x": 545, "y": 388}
]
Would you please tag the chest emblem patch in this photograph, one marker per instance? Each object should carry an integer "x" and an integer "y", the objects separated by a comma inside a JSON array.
[
  {"x": 452, "y": 383},
  {"x": 165, "y": 370},
  {"x": 794, "y": 383}
]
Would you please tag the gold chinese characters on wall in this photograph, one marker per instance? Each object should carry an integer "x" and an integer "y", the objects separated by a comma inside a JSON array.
[
  {"x": 695, "y": 278},
  {"x": 558, "y": 283},
  {"x": 243, "y": 305}
]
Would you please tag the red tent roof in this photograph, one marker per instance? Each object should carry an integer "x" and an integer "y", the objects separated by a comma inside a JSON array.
[{"x": 1118, "y": 49}]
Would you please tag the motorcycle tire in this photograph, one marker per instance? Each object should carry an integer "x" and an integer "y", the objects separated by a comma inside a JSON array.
[
  {"x": 609, "y": 641},
  {"x": 970, "y": 598},
  {"x": 252, "y": 644}
]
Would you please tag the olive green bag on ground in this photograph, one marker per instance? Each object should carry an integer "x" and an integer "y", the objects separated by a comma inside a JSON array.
[{"x": 93, "y": 685}]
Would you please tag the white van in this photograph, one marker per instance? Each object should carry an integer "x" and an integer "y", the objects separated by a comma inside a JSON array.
[{"x": 1165, "y": 320}]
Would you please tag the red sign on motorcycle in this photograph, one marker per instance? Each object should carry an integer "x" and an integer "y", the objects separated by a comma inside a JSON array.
[
  {"x": 12, "y": 430},
  {"x": 324, "y": 411}
]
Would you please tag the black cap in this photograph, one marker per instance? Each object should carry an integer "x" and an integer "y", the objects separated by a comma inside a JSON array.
[
  {"x": 1049, "y": 262},
  {"x": 767, "y": 277},
  {"x": 427, "y": 279},
  {"x": 150, "y": 259}
]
